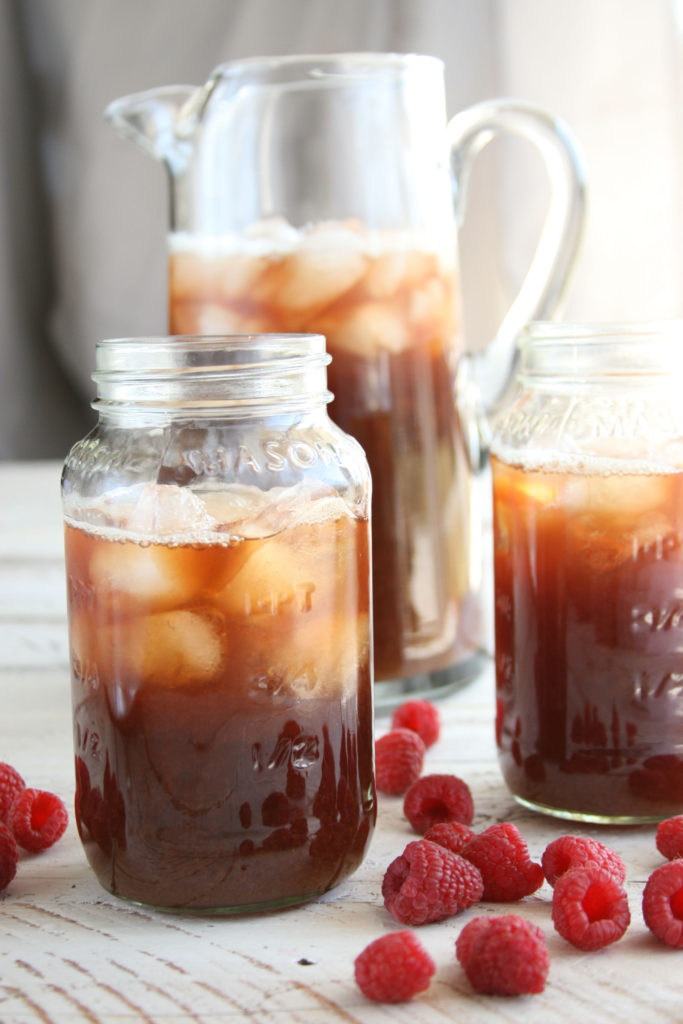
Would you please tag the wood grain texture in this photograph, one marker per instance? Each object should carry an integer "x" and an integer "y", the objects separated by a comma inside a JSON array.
[{"x": 72, "y": 954}]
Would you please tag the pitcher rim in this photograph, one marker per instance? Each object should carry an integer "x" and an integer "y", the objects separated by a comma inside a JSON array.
[{"x": 355, "y": 59}]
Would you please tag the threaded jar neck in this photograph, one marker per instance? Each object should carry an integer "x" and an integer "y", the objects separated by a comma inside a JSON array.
[
  {"x": 206, "y": 376},
  {"x": 632, "y": 355}
]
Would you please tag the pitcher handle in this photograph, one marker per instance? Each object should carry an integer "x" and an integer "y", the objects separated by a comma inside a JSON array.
[{"x": 551, "y": 264}]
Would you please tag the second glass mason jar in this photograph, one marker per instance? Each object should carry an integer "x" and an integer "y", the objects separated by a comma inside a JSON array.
[
  {"x": 218, "y": 569},
  {"x": 587, "y": 470}
]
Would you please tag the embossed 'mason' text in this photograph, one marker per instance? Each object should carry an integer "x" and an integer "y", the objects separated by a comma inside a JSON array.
[{"x": 271, "y": 456}]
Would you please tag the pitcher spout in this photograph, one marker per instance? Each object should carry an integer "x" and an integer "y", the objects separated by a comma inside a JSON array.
[{"x": 161, "y": 121}]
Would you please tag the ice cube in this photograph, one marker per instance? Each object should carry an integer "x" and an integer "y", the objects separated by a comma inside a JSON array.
[
  {"x": 328, "y": 263},
  {"x": 429, "y": 304},
  {"x": 127, "y": 572},
  {"x": 269, "y": 583},
  {"x": 192, "y": 277},
  {"x": 238, "y": 274},
  {"x": 320, "y": 658},
  {"x": 385, "y": 274},
  {"x": 212, "y": 318},
  {"x": 154, "y": 574},
  {"x": 166, "y": 510},
  {"x": 399, "y": 269},
  {"x": 176, "y": 648},
  {"x": 370, "y": 328},
  {"x": 230, "y": 507}
]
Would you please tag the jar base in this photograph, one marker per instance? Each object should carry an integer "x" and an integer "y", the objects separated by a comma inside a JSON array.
[
  {"x": 589, "y": 818},
  {"x": 244, "y": 910},
  {"x": 390, "y": 693}
]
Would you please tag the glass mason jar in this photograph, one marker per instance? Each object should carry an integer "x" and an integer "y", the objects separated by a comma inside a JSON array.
[
  {"x": 587, "y": 468},
  {"x": 218, "y": 567}
]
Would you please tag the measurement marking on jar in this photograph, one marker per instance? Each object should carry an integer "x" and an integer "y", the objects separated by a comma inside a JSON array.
[{"x": 272, "y": 601}]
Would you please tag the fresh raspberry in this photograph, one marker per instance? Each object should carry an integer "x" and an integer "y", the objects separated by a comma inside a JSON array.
[
  {"x": 37, "y": 819},
  {"x": 9, "y": 856},
  {"x": 393, "y": 968},
  {"x": 568, "y": 852},
  {"x": 501, "y": 854},
  {"x": 451, "y": 834},
  {"x": 505, "y": 956},
  {"x": 590, "y": 908},
  {"x": 399, "y": 756},
  {"x": 422, "y": 717},
  {"x": 428, "y": 883},
  {"x": 11, "y": 784},
  {"x": 669, "y": 838},
  {"x": 437, "y": 798},
  {"x": 663, "y": 903}
]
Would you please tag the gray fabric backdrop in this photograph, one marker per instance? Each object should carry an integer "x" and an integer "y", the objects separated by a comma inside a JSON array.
[{"x": 83, "y": 213}]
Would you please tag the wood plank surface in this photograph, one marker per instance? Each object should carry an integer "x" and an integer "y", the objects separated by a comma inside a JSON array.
[{"x": 70, "y": 953}]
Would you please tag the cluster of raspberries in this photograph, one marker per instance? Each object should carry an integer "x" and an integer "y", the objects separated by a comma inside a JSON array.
[
  {"x": 452, "y": 867},
  {"x": 32, "y": 819}
]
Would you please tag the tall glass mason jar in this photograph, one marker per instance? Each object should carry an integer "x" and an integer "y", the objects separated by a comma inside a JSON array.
[
  {"x": 218, "y": 568},
  {"x": 587, "y": 468}
]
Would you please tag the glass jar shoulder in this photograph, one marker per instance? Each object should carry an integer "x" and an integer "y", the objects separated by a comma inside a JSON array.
[
  {"x": 588, "y": 428},
  {"x": 123, "y": 475}
]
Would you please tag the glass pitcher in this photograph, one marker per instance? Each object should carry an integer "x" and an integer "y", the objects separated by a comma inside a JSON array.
[{"x": 323, "y": 194}]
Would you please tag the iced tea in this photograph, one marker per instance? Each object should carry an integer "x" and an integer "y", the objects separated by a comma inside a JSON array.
[
  {"x": 589, "y": 638},
  {"x": 222, "y": 694},
  {"x": 389, "y": 309}
]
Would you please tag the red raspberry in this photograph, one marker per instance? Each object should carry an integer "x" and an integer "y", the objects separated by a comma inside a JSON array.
[
  {"x": 669, "y": 838},
  {"x": 11, "y": 784},
  {"x": 422, "y": 717},
  {"x": 37, "y": 819},
  {"x": 428, "y": 883},
  {"x": 398, "y": 761},
  {"x": 451, "y": 834},
  {"x": 568, "y": 852},
  {"x": 504, "y": 956},
  {"x": 393, "y": 968},
  {"x": 502, "y": 856},
  {"x": 663, "y": 903},
  {"x": 590, "y": 908},
  {"x": 437, "y": 798},
  {"x": 9, "y": 857}
]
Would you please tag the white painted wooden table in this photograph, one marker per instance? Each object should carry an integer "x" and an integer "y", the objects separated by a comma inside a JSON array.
[{"x": 71, "y": 953}]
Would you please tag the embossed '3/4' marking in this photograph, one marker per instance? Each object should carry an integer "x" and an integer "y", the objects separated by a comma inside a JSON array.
[{"x": 656, "y": 619}]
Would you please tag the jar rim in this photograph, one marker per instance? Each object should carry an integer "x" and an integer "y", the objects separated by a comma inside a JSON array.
[
  {"x": 538, "y": 331},
  {"x": 207, "y": 372},
  {"x": 586, "y": 350}
]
